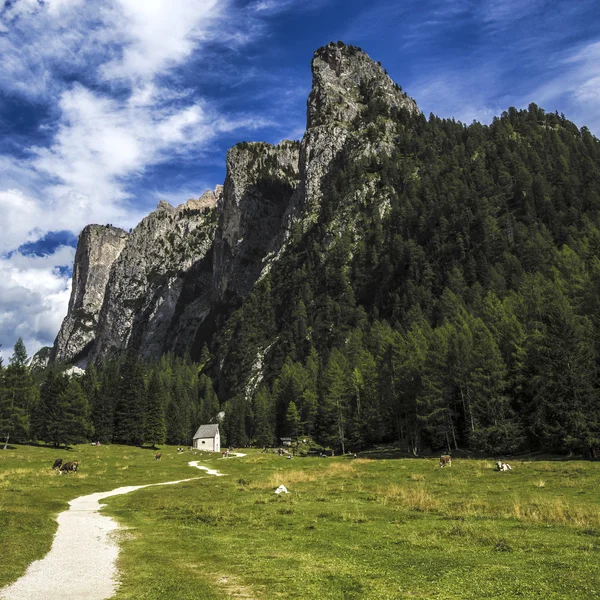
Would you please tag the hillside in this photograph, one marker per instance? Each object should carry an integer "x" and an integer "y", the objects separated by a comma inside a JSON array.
[{"x": 392, "y": 278}]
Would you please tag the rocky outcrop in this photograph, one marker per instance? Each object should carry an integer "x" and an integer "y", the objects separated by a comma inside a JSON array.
[
  {"x": 346, "y": 85},
  {"x": 259, "y": 185},
  {"x": 97, "y": 249},
  {"x": 147, "y": 280},
  {"x": 183, "y": 270},
  {"x": 40, "y": 359}
]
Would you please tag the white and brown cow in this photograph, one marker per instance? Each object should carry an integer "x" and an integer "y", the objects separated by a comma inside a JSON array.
[
  {"x": 502, "y": 466},
  {"x": 445, "y": 460},
  {"x": 69, "y": 467}
]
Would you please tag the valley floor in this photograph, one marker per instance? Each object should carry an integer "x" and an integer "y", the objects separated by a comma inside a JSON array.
[{"x": 392, "y": 528}]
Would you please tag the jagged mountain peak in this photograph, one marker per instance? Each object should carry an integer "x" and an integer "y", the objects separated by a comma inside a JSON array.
[
  {"x": 209, "y": 199},
  {"x": 345, "y": 79}
]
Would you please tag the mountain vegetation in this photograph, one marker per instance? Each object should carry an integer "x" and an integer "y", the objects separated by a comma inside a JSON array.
[{"x": 443, "y": 293}]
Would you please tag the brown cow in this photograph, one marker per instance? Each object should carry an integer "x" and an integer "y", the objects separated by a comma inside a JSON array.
[
  {"x": 69, "y": 467},
  {"x": 157, "y": 456},
  {"x": 445, "y": 460},
  {"x": 57, "y": 464}
]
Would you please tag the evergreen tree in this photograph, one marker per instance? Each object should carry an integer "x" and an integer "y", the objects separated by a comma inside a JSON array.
[
  {"x": 18, "y": 397},
  {"x": 46, "y": 420},
  {"x": 104, "y": 400},
  {"x": 263, "y": 418},
  {"x": 334, "y": 405},
  {"x": 129, "y": 408},
  {"x": 292, "y": 420},
  {"x": 155, "y": 430},
  {"x": 75, "y": 423}
]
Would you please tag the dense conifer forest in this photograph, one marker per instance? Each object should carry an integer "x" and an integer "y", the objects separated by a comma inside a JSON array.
[{"x": 460, "y": 314}]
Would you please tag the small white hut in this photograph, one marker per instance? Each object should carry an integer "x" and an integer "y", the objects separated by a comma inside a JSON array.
[{"x": 207, "y": 438}]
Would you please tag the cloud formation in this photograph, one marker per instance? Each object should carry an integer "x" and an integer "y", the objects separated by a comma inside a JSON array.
[{"x": 105, "y": 74}]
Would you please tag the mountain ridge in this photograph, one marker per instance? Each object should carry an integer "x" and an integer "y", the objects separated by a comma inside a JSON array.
[{"x": 391, "y": 277}]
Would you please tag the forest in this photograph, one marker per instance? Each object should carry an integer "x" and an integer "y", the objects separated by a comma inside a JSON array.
[{"x": 455, "y": 307}]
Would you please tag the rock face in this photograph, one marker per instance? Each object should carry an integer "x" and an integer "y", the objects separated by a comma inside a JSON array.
[
  {"x": 172, "y": 283},
  {"x": 40, "y": 359},
  {"x": 147, "y": 279},
  {"x": 259, "y": 185},
  {"x": 97, "y": 249},
  {"x": 345, "y": 83}
]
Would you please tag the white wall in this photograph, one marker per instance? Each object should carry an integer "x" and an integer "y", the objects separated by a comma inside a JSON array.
[{"x": 208, "y": 444}]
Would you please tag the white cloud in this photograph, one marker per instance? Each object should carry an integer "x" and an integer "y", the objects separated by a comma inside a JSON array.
[
  {"x": 119, "y": 118},
  {"x": 34, "y": 299},
  {"x": 574, "y": 84},
  {"x": 158, "y": 34},
  {"x": 19, "y": 212}
]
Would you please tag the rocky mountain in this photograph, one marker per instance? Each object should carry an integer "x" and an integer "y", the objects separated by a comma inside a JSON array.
[
  {"x": 142, "y": 307},
  {"x": 182, "y": 270},
  {"x": 40, "y": 359},
  {"x": 390, "y": 277},
  {"x": 97, "y": 249}
]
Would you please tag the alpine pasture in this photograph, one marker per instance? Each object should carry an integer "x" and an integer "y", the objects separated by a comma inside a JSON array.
[{"x": 349, "y": 528}]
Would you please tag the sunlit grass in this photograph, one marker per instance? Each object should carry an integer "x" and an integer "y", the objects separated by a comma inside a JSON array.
[{"x": 349, "y": 528}]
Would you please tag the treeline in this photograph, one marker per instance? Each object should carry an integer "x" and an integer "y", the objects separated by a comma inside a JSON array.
[
  {"x": 123, "y": 401},
  {"x": 448, "y": 296}
]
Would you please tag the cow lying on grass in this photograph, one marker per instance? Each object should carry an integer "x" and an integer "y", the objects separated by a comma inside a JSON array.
[
  {"x": 445, "y": 460},
  {"x": 57, "y": 464},
  {"x": 502, "y": 466},
  {"x": 69, "y": 467}
]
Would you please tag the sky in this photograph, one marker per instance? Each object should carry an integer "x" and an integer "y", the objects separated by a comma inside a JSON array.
[{"x": 108, "y": 106}]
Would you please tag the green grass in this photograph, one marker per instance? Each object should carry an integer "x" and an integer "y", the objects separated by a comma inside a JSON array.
[
  {"x": 394, "y": 528},
  {"x": 32, "y": 494}
]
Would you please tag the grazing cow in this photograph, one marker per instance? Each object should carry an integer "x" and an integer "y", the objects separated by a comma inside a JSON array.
[
  {"x": 69, "y": 467},
  {"x": 502, "y": 466},
  {"x": 445, "y": 460},
  {"x": 57, "y": 464},
  {"x": 157, "y": 456}
]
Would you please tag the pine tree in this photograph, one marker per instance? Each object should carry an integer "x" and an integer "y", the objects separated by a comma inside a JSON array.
[
  {"x": 155, "y": 430},
  {"x": 18, "y": 398},
  {"x": 208, "y": 400},
  {"x": 292, "y": 420},
  {"x": 334, "y": 405},
  {"x": 76, "y": 421},
  {"x": 103, "y": 402},
  {"x": 129, "y": 408},
  {"x": 263, "y": 418},
  {"x": 46, "y": 420}
]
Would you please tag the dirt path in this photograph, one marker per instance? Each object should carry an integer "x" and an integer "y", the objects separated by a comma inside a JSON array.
[{"x": 81, "y": 564}]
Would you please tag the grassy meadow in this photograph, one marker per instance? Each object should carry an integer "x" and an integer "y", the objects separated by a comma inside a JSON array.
[{"x": 349, "y": 529}]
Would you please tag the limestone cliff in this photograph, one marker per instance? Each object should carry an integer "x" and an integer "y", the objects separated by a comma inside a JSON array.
[
  {"x": 97, "y": 249},
  {"x": 260, "y": 182},
  {"x": 147, "y": 279},
  {"x": 346, "y": 85},
  {"x": 183, "y": 270},
  {"x": 40, "y": 359}
]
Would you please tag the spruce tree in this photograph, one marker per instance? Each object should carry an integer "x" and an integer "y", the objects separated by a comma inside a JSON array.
[
  {"x": 129, "y": 408},
  {"x": 263, "y": 418},
  {"x": 47, "y": 418},
  {"x": 292, "y": 420},
  {"x": 155, "y": 430},
  {"x": 18, "y": 398},
  {"x": 75, "y": 414}
]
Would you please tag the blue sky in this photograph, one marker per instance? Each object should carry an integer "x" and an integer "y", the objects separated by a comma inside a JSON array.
[{"x": 108, "y": 106}]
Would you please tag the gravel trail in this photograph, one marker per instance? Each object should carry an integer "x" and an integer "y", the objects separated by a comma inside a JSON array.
[{"x": 81, "y": 564}]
